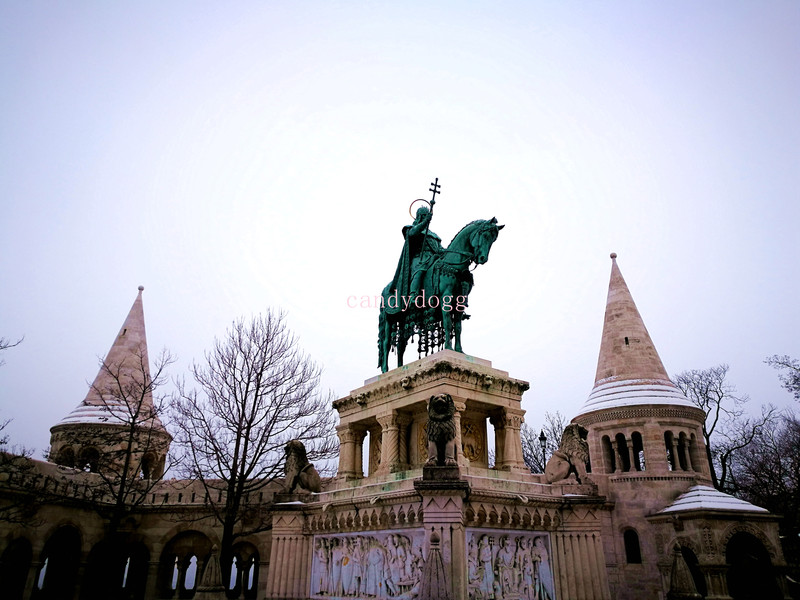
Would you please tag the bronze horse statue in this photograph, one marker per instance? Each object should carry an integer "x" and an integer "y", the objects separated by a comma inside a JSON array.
[{"x": 435, "y": 315}]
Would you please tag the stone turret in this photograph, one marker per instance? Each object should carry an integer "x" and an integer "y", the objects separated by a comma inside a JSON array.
[
  {"x": 118, "y": 409},
  {"x": 640, "y": 424}
]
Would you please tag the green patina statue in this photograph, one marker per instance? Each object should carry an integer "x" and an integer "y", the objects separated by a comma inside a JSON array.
[{"x": 428, "y": 295}]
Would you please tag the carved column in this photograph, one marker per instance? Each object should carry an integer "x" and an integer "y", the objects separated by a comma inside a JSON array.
[
  {"x": 499, "y": 439},
  {"x": 629, "y": 444},
  {"x": 390, "y": 443},
  {"x": 512, "y": 444},
  {"x": 619, "y": 466},
  {"x": 688, "y": 448},
  {"x": 460, "y": 458},
  {"x": 349, "y": 436},
  {"x": 360, "y": 434},
  {"x": 403, "y": 421},
  {"x": 675, "y": 456}
]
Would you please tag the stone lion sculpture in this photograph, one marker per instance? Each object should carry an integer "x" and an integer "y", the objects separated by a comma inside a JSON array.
[
  {"x": 571, "y": 456},
  {"x": 441, "y": 431},
  {"x": 300, "y": 474}
]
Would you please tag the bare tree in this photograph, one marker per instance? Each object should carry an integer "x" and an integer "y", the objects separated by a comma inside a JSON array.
[
  {"x": 727, "y": 430},
  {"x": 257, "y": 391},
  {"x": 790, "y": 372},
  {"x": 20, "y": 504},
  {"x": 552, "y": 429},
  {"x": 5, "y": 344},
  {"x": 768, "y": 475}
]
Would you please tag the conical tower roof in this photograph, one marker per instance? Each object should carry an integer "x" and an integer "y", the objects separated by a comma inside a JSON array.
[
  {"x": 123, "y": 380},
  {"x": 629, "y": 369}
]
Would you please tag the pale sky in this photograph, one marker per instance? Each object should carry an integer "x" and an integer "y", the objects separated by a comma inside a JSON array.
[{"x": 232, "y": 157}]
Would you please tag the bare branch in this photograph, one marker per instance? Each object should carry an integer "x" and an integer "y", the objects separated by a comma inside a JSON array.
[{"x": 256, "y": 391}]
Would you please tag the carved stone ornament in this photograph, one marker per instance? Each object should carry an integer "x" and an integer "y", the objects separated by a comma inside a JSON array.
[
  {"x": 441, "y": 431},
  {"x": 381, "y": 564},
  {"x": 504, "y": 565},
  {"x": 571, "y": 456}
]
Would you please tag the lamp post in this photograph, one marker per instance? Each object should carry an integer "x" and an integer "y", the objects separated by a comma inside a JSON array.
[{"x": 543, "y": 444}]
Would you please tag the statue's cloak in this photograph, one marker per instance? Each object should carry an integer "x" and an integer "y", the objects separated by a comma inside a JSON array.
[{"x": 413, "y": 246}]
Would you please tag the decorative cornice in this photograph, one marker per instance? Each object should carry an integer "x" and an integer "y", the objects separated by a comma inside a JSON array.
[
  {"x": 442, "y": 369},
  {"x": 639, "y": 412}
]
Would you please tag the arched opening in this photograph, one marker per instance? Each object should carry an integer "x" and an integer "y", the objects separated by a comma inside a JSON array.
[
  {"x": 683, "y": 452},
  {"x": 623, "y": 452},
  {"x": 115, "y": 571},
  {"x": 610, "y": 461},
  {"x": 633, "y": 553},
  {"x": 14, "y": 566},
  {"x": 190, "y": 576},
  {"x": 638, "y": 451},
  {"x": 60, "y": 559},
  {"x": 148, "y": 465},
  {"x": 89, "y": 460},
  {"x": 698, "y": 458},
  {"x": 691, "y": 561},
  {"x": 750, "y": 572},
  {"x": 670, "y": 447},
  {"x": 66, "y": 457},
  {"x": 181, "y": 565},
  {"x": 244, "y": 571}
]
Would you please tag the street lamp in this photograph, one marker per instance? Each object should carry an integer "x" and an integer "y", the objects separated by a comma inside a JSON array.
[{"x": 543, "y": 444}]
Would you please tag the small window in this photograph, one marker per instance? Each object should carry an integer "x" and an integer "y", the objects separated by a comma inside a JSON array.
[
  {"x": 627, "y": 342},
  {"x": 633, "y": 553}
]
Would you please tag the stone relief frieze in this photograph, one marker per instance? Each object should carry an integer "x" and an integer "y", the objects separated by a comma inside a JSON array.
[
  {"x": 382, "y": 564},
  {"x": 509, "y": 565}
]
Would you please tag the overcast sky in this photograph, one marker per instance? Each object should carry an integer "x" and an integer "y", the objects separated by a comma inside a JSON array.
[{"x": 232, "y": 157}]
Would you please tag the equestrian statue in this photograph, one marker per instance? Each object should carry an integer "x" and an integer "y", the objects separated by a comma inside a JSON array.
[{"x": 428, "y": 295}]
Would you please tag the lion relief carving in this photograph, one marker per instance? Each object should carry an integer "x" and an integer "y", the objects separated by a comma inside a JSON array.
[
  {"x": 441, "y": 431},
  {"x": 300, "y": 474},
  {"x": 571, "y": 456}
]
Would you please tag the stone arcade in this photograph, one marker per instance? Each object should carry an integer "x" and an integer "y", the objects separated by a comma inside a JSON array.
[{"x": 644, "y": 524}]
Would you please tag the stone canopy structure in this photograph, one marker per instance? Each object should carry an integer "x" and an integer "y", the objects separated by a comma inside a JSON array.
[{"x": 645, "y": 522}]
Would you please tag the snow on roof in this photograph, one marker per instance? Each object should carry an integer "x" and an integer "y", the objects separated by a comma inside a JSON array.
[
  {"x": 632, "y": 392},
  {"x": 704, "y": 497}
]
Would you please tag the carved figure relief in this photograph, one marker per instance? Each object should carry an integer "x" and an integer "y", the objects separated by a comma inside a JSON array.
[
  {"x": 472, "y": 442},
  {"x": 386, "y": 564},
  {"x": 509, "y": 565},
  {"x": 441, "y": 431}
]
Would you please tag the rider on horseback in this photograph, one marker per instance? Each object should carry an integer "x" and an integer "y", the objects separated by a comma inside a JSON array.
[{"x": 420, "y": 249}]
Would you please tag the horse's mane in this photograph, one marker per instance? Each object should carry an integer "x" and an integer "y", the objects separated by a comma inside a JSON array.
[{"x": 467, "y": 225}]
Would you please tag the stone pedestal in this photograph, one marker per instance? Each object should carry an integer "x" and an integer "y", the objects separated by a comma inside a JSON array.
[
  {"x": 392, "y": 407},
  {"x": 290, "y": 557},
  {"x": 443, "y": 494}
]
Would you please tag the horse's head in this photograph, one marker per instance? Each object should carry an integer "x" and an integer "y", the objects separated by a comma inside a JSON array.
[{"x": 482, "y": 239}]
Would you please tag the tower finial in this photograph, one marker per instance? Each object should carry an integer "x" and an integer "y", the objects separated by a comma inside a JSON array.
[
  {"x": 141, "y": 288},
  {"x": 613, "y": 256}
]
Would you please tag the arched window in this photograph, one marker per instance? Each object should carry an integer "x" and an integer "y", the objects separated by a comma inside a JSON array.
[
  {"x": 89, "y": 460},
  {"x": 148, "y": 463},
  {"x": 633, "y": 553},
  {"x": 750, "y": 570},
  {"x": 608, "y": 453},
  {"x": 190, "y": 579},
  {"x": 638, "y": 451},
  {"x": 66, "y": 457},
  {"x": 683, "y": 452},
  {"x": 14, "y": 565},
  {"x": 670, "y": 447},
  {"x": 60, "y": 559},
  {"x": 176, "y": 573},
  {"x": 622, "y": 451}
]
